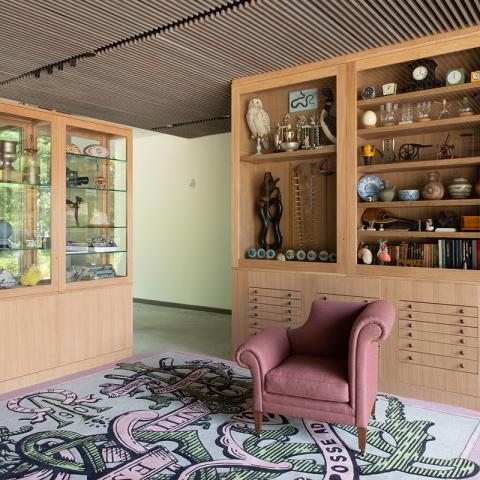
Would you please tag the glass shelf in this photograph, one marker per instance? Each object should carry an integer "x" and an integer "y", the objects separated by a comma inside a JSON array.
[
  {"x": 81, "y": 156},
  {"x": 22, "y": 184},
  {"x": 25, "y": 199},
  {"x": 96, "y": 207},
  {"x": 96, "y": 253},
  {"x": 10, "y": 250},
  {"x": 98, "y": 189},
  {"x": 97, "y": 227}
]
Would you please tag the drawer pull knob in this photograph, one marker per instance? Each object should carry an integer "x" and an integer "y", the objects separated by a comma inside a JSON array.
[
  {"x": 289, "y": 303},
  {"x": 410, "y": 315},
  {"x": 289, "y": 295},
  {"x": 365, "y": 301},
  {"x": 289, "y": 319},
  {"x": 255, "y": 314},
  {"x": 462, "y": 321},
  {"x": 324, "y": 298},
  {"x": 255, "y": 299},
  {"x": 410, "y": 325},
  {"x": 255, "y": 292},
  {"x": 289, "y": 310},
  {"x": 410, "y": 334},
  {"x": 462, "y": 365},
  {"x": 462, "y": 331},
  {"x": 461, "y": 352},
  {"x": 255, "y": 307},
  {"x": 255, "y": 323},
  {"x": 410, "y": 357},
  {"x": 410, "y": 345},
  {"x": 462, "y": 340},
  {"x": 410, "y": 305},
  {"x": 462, "y": 310}
]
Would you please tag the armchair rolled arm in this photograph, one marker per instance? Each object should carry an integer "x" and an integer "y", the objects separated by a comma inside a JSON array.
[
  {"x": 268, "y": 349},
  {"x": 372, "y": 325},
  {"x": 261, "y": 354}
]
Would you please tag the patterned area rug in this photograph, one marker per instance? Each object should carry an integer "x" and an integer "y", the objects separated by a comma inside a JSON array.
[{"x": 184, "y": 417}]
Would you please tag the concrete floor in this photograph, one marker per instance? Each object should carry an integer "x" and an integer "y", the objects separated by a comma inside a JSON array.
[{"x": 158, "y": 328}]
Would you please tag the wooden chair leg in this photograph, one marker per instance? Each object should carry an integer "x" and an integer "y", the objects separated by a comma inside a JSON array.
[
  {"x": 362, "y": 439},
  {"x": 373, "y": 410},
  {"x": 258, "y": 422}
]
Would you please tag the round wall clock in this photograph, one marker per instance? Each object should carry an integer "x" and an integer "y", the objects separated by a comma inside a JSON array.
[
  {"x": 420, "y": 73},
  {"x": 455, "y": 76}
]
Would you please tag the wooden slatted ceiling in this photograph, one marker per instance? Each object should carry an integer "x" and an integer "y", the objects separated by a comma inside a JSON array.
[{"x": 184, "y": 74}]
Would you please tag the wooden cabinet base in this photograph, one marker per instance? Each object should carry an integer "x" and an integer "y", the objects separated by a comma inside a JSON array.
[
  {"x": 57, "y": 373},
  {"x": 48, "y": 336}
]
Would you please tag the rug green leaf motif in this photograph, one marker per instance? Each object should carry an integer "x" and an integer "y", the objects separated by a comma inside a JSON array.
[{"x": 176, "y": 417}]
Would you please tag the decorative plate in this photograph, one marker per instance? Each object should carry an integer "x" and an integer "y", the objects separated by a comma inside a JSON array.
[
  {"x": 252, "y": 252},
  {"x": 72, "y": 148},
  {"x": 368, "y": 187},
  {"x": 96, "y": 151},
  {"x": 290, "y": 254},
  {"x": 323, "y": 256},
  {"x": 301, "y": 255},
  {"x": 261, "y": 253},
  {"x": 311, "y": 255},
  {"x": 270, "y": 253}
]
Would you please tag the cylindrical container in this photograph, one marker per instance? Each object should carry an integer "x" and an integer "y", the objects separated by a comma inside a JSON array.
[{"x": 433, "y": 189}]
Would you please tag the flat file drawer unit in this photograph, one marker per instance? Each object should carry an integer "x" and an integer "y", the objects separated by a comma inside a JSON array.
[
  {"x": 270, "y": 307},
  {"x": 439, "y": 336}
]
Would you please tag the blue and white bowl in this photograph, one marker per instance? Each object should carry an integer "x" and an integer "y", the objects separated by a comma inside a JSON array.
[{"x": 408, "y": 195}]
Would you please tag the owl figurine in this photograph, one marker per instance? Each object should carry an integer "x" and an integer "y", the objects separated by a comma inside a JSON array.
[{"x": 258, "y": 122}]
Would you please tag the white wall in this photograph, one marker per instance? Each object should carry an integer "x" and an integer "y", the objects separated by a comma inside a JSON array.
[{"x": 182, "y": 234}]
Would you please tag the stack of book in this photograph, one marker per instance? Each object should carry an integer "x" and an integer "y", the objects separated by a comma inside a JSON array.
[{"x": 444, "y": 253}]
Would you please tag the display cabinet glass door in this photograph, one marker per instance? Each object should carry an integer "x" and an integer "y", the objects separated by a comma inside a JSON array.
[
  {"x": 96, "y": 206},
  {"x": 25, "y": 202}
]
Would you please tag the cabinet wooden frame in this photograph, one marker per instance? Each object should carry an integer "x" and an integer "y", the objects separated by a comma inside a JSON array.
[
  {"x": 347, "y": 280},
  {"x": 45, "y": 332}
]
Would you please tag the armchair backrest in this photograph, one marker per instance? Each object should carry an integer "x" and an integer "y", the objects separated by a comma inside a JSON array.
[{"x": 327, "y": 329}]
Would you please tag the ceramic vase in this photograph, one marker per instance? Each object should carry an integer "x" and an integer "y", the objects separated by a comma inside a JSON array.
[
  {"x": 387, "y": 192},
  {"x": 433, "y": 189},
  {"x": 460, "y": 188}
]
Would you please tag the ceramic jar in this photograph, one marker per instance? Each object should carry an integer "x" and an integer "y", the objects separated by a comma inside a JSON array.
[
  {"x": 460, "y": 188},
  {"x": 387, "y": 192},
  {"x": 433, "y": 189}
]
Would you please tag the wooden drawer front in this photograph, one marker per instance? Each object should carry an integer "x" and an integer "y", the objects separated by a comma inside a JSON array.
[
  {"x": 278, "y": 317},
  {"x": 438, "y": 349},
  {"x": 282, "y": 302},
  {"x": 345, "y": 298},
  {"x": 438, "y": 308},
  {"x": 438, "y": 318},
  {"x": 438, "y": 337},
  {"x": 272, "y": 292},
  {"x": 252, "y": 332},
  {"x": 260, "y": 307},
  {"x": 262, "y": 323},
  {"x": 437, "y": 361},
  {"x": 439, "y": 328}
]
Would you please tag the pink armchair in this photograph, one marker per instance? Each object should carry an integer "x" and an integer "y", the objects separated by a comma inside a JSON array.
[{"x": 325, "y": 370}]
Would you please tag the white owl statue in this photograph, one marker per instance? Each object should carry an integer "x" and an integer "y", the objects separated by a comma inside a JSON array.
[{"x": 259, "y": 123}]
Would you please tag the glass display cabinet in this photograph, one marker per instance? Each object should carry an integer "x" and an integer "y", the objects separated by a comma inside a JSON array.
[
  {"x": 25, "y": 202},
  {"x": 96, "y": 205}
]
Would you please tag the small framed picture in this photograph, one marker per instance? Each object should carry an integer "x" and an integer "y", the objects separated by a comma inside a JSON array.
[
  {"x": 475, "y": 76},
  {"x": 389, "y": 89},
  {"x": 303, "y": 100}
]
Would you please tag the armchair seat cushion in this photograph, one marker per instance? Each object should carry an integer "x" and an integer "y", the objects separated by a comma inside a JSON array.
[{"x": 310, "y": 376}]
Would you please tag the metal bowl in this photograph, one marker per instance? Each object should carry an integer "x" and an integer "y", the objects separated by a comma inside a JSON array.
[{"x": 289, "y": 146}]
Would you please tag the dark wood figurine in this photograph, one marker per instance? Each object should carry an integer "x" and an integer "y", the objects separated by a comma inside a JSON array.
[{"x": 269, "y": 208}]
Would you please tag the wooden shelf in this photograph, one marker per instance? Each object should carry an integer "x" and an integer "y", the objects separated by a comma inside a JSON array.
[
  {"x": 295, "y": 156},
  {"x": 454, "y": 91},
  {"x": 288, "y": 265},
  {"x": 403, "y": 234},
  {"x": 465, "y": 202},
  {"x": 419, "y": 165},
  {"x": 415, "y": 128}
]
